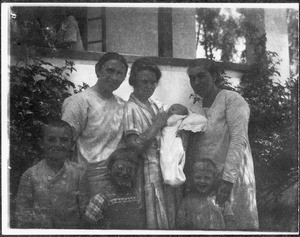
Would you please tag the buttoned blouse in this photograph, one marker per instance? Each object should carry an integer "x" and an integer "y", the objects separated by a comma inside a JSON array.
[{"x": 52, "y": 200}]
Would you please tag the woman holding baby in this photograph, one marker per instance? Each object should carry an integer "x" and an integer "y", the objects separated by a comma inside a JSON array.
[
  {"x": 143, "y": 120},
  {"x": 225, "y": 142}
]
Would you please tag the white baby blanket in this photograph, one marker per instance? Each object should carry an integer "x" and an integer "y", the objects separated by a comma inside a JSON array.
[{"x": 172, "y": 153}]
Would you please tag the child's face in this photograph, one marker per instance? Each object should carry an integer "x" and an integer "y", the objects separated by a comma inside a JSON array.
[
  {"x": 57, "y": 144},
  {"x": 203, "y": 179},
  {"x": 123, "y": 173}
]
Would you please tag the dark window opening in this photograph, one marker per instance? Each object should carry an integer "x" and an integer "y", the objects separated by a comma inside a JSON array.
[{"x": 53, "y": 27}]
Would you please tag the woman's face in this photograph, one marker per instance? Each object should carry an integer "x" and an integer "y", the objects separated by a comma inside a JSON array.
[
  {"x": 146, "y": 83},
  {"x": 201, "y": 81},
  {"x": 112, "y": 74}
]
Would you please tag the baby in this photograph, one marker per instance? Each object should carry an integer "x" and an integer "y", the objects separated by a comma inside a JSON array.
[
  {"x": 178, "y": 109},
  {"x": 198, "y": 210},
  {"x": 172, "y": 151}
]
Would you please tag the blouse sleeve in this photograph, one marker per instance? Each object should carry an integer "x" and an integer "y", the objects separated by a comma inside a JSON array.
[
  {"x": 74, "y": 111},
  {"x": 237, "y": 116},
  {"x": 132, "y": 120},
  {"x": 24, "y": 202},
  {"x": 94, "y": 210},
  {"x": 83, "y": 191}
]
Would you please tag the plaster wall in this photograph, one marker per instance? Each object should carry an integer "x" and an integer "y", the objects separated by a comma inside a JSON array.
[
  {"x": 277, "y": 40},
  {"x": 272, "y": 22},
  {"x": 173, "y": 87},
  {"x": 184, "y": 33},
  {"x": 132, "y": 31}
]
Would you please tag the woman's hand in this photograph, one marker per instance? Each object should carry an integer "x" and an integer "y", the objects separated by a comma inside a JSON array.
[
  {"x": 160, "y": 120},
  {"x": 139, "y": 143},
  {"x": 224, "y": 192}
]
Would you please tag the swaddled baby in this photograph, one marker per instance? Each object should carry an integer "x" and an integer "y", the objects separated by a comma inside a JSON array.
[
  {"x": 172, "y": 153},
  {"x": 178, "y": 109}
]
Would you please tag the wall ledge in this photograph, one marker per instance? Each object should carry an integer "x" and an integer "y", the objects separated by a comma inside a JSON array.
[{"x": 23, "y": 52}]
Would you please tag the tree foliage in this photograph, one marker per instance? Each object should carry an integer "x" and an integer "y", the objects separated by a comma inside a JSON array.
[{"x": 219, "y": 32}]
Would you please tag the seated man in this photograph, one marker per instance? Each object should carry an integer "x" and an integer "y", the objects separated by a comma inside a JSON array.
[
  {"x": 117, "y": 206},
  {"x": 53, "y": 193},
  {"x": 198, "y": 210}
]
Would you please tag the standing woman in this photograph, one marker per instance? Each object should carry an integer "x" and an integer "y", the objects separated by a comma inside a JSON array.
[
  {"x": 226, "y": 142},
  {"x": 143, "y": 120},
  {"x": 96, "y": 116}
]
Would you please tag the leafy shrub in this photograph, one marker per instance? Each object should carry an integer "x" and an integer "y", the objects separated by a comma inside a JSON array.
[
  {"x": 272, "y": 125},
  {"x": 37, "y": 91}
]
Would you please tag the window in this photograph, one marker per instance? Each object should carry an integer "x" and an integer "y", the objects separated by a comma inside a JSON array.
[
  {"x": 95, "y": 30},
  {"x": 28, "y": 26}
]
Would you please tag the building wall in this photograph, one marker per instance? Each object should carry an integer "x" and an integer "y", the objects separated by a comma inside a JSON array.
[
  {"x": 135, "y": 31},
  {"x": 184, "y": 33},
  {"x": 272, "y": 22},
  {"x": 173, "y": 87},
  {"x": 277, "y": 40},
  {"x": 132, "y": 31}
]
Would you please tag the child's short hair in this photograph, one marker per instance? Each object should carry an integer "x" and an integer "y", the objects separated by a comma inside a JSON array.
[
  {"x": 209, "y": 165},
  {"x": 57, "y": 124},
  {"x": 122, "y": 154}
]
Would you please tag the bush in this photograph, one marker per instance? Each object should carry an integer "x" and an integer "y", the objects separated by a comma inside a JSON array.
[
  {"x": 272, "y": 125},
  {"x": 37, "y": 91}
]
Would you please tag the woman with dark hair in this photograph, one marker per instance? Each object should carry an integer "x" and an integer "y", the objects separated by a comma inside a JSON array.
[
  {"x": 143, "y": 120},
  {"x": 225, "y": 142},
  {"x": 96, "y": 116}
]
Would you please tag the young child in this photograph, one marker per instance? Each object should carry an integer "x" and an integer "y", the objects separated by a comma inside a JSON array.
[
  {"x": 53, "y": 193},
  {"x": 118, "y": 206},
  {"x": 172, "y": 150},
  {"x": 198, "y": 210}
]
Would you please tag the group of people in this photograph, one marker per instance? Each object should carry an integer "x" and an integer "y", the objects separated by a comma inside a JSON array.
[{"x": 102, "y": 169}]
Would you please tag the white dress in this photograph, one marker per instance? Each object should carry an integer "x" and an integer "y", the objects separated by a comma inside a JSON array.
[
  {"x": 226, "y": 142},
  {"x": 98, "y": 128}
]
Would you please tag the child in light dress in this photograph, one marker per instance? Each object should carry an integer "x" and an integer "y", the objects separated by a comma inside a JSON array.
[{"x": 198, "y": 210}]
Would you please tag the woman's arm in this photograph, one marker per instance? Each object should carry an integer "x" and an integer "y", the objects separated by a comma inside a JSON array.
[
  {"x": 237, "y": 117},
  {"x": 140, "y": 143},
  {"x": 74, "y": 112},
  {"x": 24, "y": 202}
]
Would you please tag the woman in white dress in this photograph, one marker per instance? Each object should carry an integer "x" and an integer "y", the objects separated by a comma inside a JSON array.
[{"x": 225, "y": 142}]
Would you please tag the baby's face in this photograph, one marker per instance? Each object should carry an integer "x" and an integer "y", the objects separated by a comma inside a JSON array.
[
  {"x": 203, "y": 179},
  {"x": 178, "y": 109}
]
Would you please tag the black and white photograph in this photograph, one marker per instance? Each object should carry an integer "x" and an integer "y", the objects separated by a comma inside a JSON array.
[{"x": 150, "y": 118}]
